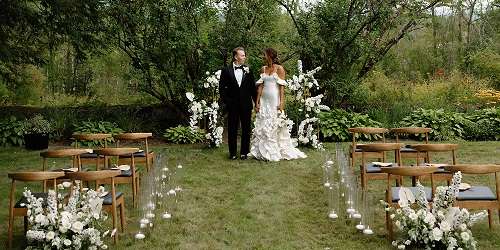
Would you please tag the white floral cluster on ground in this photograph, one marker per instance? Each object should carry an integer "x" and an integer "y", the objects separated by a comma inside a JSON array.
[
  {"x": 201, "y": 109},
  {"x": 74, "y": 225},
  {"x": 301, "y": 86},
  {"x": 442, "y": 227}
]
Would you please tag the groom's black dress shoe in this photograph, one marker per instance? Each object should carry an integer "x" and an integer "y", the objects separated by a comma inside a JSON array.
[
  {"x": 243, "y": 157},
  {"x": 233, "y": 157}
]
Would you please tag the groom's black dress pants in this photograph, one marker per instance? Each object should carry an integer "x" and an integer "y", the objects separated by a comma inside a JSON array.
[{"x": 237, "y": 115}]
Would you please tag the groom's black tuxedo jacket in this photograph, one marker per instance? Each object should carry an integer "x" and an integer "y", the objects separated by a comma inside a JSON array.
[{"x": 237, "y": 97}]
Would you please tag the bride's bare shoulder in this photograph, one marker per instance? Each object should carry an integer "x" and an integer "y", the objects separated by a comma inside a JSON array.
[{"x": 263, "y": 69}]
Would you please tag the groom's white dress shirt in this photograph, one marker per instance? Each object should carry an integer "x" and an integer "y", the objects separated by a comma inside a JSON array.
[{"x": 238, "y": 73}]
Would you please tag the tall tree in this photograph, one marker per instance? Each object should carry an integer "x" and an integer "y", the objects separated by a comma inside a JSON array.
[{"x": 351, "y": 36}]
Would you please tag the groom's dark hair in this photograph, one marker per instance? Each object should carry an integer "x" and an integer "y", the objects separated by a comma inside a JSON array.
[{"x": 235, "y": 51}]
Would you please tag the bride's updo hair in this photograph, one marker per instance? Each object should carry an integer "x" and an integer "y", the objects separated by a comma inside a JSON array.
[{"x": 273, "y": 55}]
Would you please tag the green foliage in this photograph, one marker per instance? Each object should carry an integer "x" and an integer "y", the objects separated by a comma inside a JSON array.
[
  {"x": 92, "y": 127},
  {"x": 183, "y": 135},
  {"x": 445, "y": 125},
  {"x": 37, "y": 125},
  {"x": 334, "y": 125},
  {"x": 486, "y": 63},
  {"x": 11, "y": 132},
  {"x": 484, "y": 125}
]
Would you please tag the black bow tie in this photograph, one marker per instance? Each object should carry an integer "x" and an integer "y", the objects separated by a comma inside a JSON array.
[{"x": 238, "y": 67}]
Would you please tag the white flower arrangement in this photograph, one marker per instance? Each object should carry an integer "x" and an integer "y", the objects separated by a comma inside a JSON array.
[
  {"x": 442, "y": 226},
  {"x": 201, "y": 109},
  {"x": 301, "y": 86},
  {"x": 307, "y": 135},
  {"x": 75, "y": 225},
  {"x": 283, "y": 121}
]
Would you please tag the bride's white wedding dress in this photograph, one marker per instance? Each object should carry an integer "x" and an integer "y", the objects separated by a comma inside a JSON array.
[{"x": 270, "y": 140}]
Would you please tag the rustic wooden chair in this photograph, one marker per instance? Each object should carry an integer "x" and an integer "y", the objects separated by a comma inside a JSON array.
[
  {"x": 112, "y": 200},
  {"x": 356, "y": 151},
  {"x": 91, "y": 157},
  {"x": 371, "y": 171},
  {"x": 392, "y": 193},
  {"x": 19, "y": 208},
  {"x": 72, "y": 153},
  {"x": 407, "y": 151},
  {"x": 479, "y": 197},
  {"x": 144, "y": 156},
  {"x": 428, "y": 150},
  {"x": 130, "y": 176}
]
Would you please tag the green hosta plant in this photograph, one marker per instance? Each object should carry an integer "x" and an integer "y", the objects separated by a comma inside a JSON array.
[
  {"x": 484, "y": 125},
  {"x": 445, "y": 125},
  {"x": 183, "y": 135},
  {"x": 11, "y": 132},
  {"x": 94, "y": 127},
  {"x": 334, "y": 125}
]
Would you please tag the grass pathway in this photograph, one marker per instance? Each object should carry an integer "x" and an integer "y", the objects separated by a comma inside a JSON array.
[{"x": 251, "y": 204}]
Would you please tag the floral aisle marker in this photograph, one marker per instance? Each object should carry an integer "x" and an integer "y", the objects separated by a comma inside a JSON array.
[
  {"x": 440, "y": 227},
  {"x": 76, "y": 225},
  {"x": 301, "y": 87},
  {"x": 207, "y": 108}
]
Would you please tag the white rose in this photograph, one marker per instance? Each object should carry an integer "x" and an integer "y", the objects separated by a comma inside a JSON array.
[
  {"x": 445, "y": 226},
  {"x": 66, "y": 184},
  {"x": 190, "y": 96},
  {"x": 463, "y": 227},
  {"x": 77, "y": 227},
  {"x": 465, "y": 236},
  {"x": 401, "y": 247},
  {"x": 398, "y": 224},
  {"x": 429, "y": 219},
  {"x": 50, "y": 235},
  {"x": 437, "y": 234},
  {"x": 413, "y": 216},
  {"x": 67, "y": 242},
  {"x": 40, "y": 218}
]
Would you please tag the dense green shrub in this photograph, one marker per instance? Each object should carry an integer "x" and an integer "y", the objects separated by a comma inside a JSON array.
[
  {"x": 92, "y": 127},
  {"x": 484, "y": 125},
  {"x": 183, "y": 135},
  {"x": 334, "y": 125},
  {"x": 486, "y": 64},
  {"x": 37, "y": 125},
  {"x": 445, "y": 125},
  {"x": 11, "y": 132}
]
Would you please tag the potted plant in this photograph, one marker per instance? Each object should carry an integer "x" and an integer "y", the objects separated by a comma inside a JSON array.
[{"x": 36, "y": 132}]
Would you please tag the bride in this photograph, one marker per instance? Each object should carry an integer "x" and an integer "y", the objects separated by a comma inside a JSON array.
[{"x": 270, "y": 139}]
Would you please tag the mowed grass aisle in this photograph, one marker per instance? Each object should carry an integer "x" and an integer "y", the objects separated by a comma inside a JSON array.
[{"x": 252, "y": 204}]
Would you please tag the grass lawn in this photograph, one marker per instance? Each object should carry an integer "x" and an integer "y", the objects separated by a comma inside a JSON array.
[{"x": 252, "y": 204}]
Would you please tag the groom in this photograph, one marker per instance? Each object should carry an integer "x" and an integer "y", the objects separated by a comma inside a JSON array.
[{"x": 237, "y": 91}]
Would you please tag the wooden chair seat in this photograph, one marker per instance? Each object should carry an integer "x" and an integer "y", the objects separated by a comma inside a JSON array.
[
  {"x": 392, "y": 193},
  {"x": 369, "y": 171},
  {"x": 108, "y": 198},
  {"x": 144, "y": 156},
  {"x": 130, "y": 176},
  {"x": 479, "y": 197},
  {"x": 89, "y": 155},
  {"x": 109, "y": 203},
  {"x": 15, "y": 208},
  {"x": 477, "y": 193},
  {"x": 414, "y": 190},
  {"x": 408, "y": 150}
]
